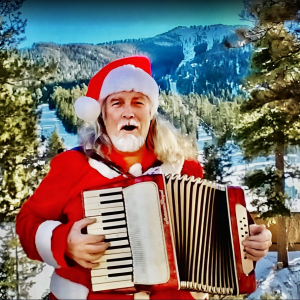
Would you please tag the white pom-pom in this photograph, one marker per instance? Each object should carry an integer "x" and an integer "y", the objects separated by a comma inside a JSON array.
[{"x": 87, "y": 109}]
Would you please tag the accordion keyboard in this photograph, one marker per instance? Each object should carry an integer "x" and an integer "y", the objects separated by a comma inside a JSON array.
[{"x": 116, "y": 268}]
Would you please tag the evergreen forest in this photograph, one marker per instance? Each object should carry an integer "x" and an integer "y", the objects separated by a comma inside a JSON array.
[{"x": 243, "y": 90}]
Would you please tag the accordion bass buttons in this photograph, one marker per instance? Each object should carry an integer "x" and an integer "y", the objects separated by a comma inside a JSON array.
[{"x": 243, "y": 230}]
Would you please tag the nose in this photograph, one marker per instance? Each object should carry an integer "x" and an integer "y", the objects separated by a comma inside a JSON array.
[{"x": 127, "y": 112}]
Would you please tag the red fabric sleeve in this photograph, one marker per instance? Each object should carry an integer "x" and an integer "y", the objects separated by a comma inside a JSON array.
[
  {"x": 47, "y": 203},
  {"x": 192, "y": 168},
  {"x": 59, "y": 243}
]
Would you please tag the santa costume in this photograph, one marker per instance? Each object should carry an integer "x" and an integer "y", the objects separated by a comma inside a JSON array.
[{"x": 46, "y": 218}]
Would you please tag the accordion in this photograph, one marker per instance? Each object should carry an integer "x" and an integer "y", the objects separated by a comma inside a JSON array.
[{"x": 171, "y": 232}]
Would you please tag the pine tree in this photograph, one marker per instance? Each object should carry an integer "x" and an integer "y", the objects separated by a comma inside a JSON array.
[
  {"x": 55, "y": 145},
  {"x": 16, "y": 270},
  {"x": 20, "y": 169},
  {"x": 271, "y": 119}
]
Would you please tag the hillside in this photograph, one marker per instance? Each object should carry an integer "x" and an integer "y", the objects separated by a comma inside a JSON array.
[{"x": 183, "y": 59}]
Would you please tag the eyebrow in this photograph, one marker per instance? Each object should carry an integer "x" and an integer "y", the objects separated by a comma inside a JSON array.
[{"x": 139, "y": 97}]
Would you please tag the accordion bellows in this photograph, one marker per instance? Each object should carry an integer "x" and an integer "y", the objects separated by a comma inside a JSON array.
[{"x": 171, "y": 232}]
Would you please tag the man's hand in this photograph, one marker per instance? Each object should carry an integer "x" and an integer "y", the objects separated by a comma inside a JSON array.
[
  {"x": 258, "y": 243},
  {"x": 85, "y": 248}
]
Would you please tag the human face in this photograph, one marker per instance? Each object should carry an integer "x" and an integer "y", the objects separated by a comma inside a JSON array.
[{"x": 127, "y": 117}]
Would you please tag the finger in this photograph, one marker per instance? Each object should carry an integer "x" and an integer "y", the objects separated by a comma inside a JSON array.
[
  {"x": 255, "y": 253},
  {"x": 96, "y": 248},
  {"x": 84, "y": 222},
  {"x": 92, "y": 257},
  {"x": 252, "y": 257},
  {"x": 88, "y": 264},
  {"x": 93, "y": 238},
  {"x": 256, "y": 229},
  {"x": 264, "y": 236},
  {"x": 257, "y": 245}
]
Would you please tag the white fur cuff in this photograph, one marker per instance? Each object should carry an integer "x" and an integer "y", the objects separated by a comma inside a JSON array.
[
  {"x": 43, "y": 242},
  {"x": 63, "y": 288}
]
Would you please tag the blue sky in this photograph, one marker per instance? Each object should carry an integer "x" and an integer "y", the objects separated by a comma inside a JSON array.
[{"x": 91, "y": 21}]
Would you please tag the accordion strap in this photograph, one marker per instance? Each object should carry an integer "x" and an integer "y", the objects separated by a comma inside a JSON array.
[{"x": 92, "y": 154}]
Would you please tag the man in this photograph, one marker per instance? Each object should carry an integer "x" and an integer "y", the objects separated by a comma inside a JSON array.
[{"x": 124, "y": 136}]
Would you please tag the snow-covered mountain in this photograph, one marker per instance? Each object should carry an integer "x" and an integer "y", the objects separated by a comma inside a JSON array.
[{"x": 184, "y": 59}]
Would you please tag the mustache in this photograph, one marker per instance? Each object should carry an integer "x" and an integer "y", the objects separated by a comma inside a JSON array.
[{"x": 131, "y": 122}]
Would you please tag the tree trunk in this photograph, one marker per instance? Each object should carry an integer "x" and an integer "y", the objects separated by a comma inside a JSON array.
[{"x": 282, "y": 239}]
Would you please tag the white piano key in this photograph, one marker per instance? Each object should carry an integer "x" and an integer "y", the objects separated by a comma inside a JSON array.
[
  {"x": 106, "y": 279},
  {"x": 105, "y": 264},
  {"x": 119, "y": 250},
  {"x": 98, "y": 212},
  {"x": 106, "y": 257},
  {"x": 119, "y": 243},
  {"x": 109, "y": 224},
  {"x": 105, "y": 232},
  {"x": 116, "y": 235},
  {"x": 112, "y": 285},
  {"x": 105, "y": 272},
  {"x": 102, "y": 205},
  {"x": 88, "y": 194},
  {"x": 103, "y": 198}
]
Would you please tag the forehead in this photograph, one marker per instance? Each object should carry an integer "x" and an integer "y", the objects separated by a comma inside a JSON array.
[{"x": 127, "y": 95}]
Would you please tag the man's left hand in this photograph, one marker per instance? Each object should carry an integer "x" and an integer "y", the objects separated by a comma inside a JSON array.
[{"x": 257, "y": 245}]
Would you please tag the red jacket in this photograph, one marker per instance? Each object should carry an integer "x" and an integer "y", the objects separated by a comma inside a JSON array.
[{"x": 47, "y": 216}]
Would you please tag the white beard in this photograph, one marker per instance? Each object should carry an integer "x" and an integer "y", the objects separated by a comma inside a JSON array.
[{"x": 128, "y": 143}]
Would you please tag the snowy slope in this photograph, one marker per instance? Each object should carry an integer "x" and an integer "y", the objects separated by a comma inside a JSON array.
[{"x": 282, "y": 284}]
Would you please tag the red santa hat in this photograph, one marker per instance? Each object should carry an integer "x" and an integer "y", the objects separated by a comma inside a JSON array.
[{"x": 125, "y": 74}]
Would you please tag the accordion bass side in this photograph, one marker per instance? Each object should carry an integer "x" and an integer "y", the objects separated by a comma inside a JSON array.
[{"x": 171, "y": 232}]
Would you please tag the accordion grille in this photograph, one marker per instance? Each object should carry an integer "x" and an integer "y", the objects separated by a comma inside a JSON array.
[{"x": 202, "y": 234}]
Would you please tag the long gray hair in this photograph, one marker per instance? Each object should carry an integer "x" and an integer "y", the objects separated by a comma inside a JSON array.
[{"x": 167, "y": 143}]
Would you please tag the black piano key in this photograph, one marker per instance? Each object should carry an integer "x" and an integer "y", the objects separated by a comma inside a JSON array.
[
  {"x": 114, "y": 220},
  {"x": 113, "y": 212},
  {"x": 110, "y": 194},
  {"x": 114, "y": 227},
  {"x": 119, "y": 259},
  {"x": 120, "y": 274},
  {"x": 120, "y": 267}
]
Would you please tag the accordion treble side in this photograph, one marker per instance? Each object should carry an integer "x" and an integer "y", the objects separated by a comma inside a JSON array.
[{"x": 171, "y": 232}]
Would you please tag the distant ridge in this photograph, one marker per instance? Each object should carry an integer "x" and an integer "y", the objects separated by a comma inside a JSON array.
[{"x": 184, "y": 59}]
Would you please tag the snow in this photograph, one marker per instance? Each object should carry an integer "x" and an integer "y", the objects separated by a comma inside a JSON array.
[
  {"x": 49, "y": 122},
  {"x": 284, "y": 283}
]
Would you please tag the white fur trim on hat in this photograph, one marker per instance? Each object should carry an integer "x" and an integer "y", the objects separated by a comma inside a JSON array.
[
  {"x": 87, "y": 109},
  {"x": 128, "y": 78}
]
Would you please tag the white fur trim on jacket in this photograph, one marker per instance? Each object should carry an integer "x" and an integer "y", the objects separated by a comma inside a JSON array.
[
  {"x": 128, "y": 78},
  {"x": 136, "y": 169},
  {"x": 103, "y": 169},
  {"x": 166, "y": 169},
  {"x": 63, "y": 288},
  {"x": 43, "y": 242}
]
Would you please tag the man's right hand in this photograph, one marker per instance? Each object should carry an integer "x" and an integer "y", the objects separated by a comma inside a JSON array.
[{"x": 85, "y": 248}]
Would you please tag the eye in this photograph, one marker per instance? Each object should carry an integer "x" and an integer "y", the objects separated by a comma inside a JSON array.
[
  {"x": 115, "y": 103},
  {"x": 139, "y": 102}
]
